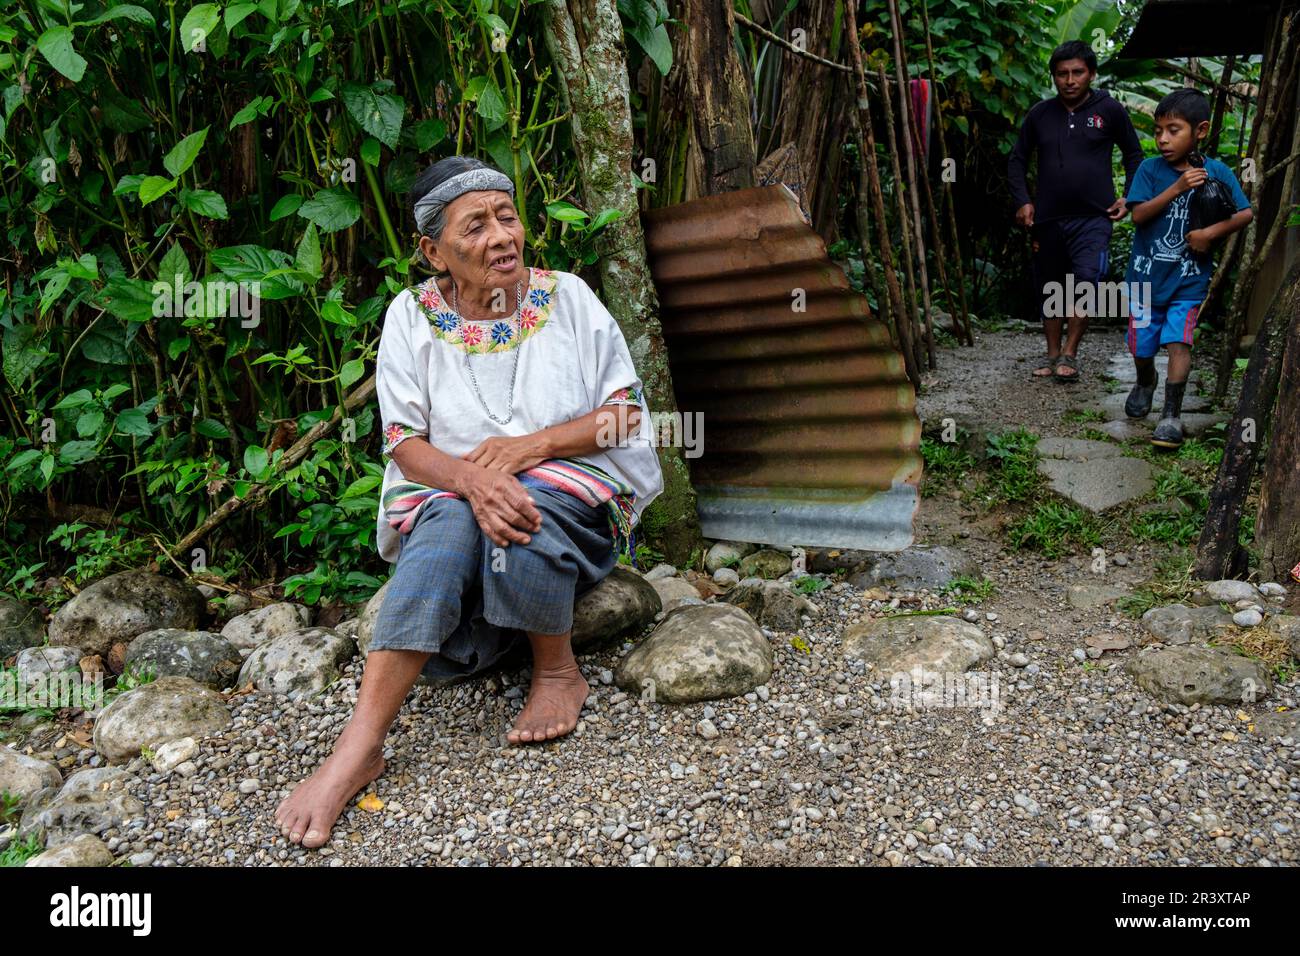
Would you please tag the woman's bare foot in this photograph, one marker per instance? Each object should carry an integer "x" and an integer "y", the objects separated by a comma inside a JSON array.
[
  {"x": 308, "y": 813},
  {"x": 555, "y": 700}
]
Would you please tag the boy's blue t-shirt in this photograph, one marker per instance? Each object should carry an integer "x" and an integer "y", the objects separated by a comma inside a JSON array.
[{"x": 1160, "y": 253}]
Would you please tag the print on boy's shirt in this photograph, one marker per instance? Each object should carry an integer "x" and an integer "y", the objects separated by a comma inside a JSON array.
[{"x": 1172, "y": 246}]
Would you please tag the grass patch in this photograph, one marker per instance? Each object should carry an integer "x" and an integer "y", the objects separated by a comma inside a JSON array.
[
  {"x": 1207, "y": 451},
  {"x": 1269, "y": 648},
  {"x": 1174, "y": 526},
  {"x": 19, "y": 852},
  {"x": 1080, "y": 416},
  {"x": 1013, "y": 467},
  {"x": 810, "y": 584},
  {"x": 967, "y": 590},
  {"x": 1171, "y": 584},
  {"x": 945, "y": 463},
  {"x": 1055, "y": 528}
]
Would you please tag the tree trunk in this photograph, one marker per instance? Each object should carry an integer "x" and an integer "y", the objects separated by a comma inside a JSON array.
[
  {"x": 1217, "y": 552},
  {"x": 719, "y": 92},
  {"x": 1277, "y": 528},
  {"x": 585, "y": 39},
  {"x": 813, "y": 107}
]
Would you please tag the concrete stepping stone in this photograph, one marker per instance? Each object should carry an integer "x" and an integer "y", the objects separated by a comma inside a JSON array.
[{"x": 1093, "y": 474}]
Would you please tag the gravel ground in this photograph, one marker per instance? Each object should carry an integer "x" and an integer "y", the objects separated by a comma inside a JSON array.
[{"x": 1076, "y": 767}]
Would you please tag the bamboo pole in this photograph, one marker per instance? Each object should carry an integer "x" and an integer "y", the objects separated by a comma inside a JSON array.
[
  {"x": 867, "y": 150},
  {"x": 905, "y": 111},
  {"x": 968, "y": 334},
  {"x": 900, "y": 201}
]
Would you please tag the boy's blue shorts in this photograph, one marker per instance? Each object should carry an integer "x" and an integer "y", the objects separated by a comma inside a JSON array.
[{"x": 1150, "y": 328}]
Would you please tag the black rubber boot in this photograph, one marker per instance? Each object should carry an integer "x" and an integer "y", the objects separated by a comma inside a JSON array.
[
  {"x": 1169, "y": 430},
  {"x": 1138, "y": 404}
]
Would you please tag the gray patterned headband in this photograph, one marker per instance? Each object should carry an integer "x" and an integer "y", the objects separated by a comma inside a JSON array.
[{"x": 431, "y": 208}]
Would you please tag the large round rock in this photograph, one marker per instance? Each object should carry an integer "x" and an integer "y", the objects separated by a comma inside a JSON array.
[
  {"x": 251, "y": 630},
  {"x": 21, "y": 775},
  {"x": 86, "y": 850},
  {"x": 698, "y": 652},
  {"x": 21, "y": 625},
  {"x": 298, "y": 664},
  {"x": 366, "y": 620},
  {"x": 939, "y": 644},
  {"x": 620, "y": 605},
  {"x": 123, "y": 606},
  {"x": 151, "y": 715},
  {"x": 199, "y": 655},
  {"x": 1200, "y": 675}
]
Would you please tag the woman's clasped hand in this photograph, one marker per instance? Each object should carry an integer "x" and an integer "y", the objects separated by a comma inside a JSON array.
[{"x": 502, "y": 507}]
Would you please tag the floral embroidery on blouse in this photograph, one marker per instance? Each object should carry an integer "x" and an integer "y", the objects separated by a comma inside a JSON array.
[
  {"x": 394, "y": 435},
  {"x": 624, "y": 396},
  {"x": 470, "y": 336}
]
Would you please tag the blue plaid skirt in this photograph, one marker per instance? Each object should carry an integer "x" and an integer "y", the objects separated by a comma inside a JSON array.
[{"x": 467, "y": 602}]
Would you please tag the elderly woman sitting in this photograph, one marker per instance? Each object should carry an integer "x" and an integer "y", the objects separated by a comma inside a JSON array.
[{"x": 520, "y": 460}]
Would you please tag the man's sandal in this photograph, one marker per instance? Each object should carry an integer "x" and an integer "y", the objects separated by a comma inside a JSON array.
[
  {"x": 1072, "y": 363},
  {"x": 1048, "y": 365}
]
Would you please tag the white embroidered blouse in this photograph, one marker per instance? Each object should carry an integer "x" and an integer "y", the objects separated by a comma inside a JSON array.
[{"x": 572, "y": 358}]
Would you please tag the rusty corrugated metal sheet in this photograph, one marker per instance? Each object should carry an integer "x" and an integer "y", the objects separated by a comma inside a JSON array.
[{"x": 810, "y": 430}]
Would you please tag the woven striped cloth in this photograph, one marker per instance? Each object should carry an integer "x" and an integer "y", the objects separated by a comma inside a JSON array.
[{"x": 583, "y": 480}]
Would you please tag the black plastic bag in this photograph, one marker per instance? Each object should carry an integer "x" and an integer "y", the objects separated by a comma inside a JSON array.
[{"x": 1210, "y": 202}]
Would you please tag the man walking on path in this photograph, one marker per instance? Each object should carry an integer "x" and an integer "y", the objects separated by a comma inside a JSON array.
[{"x": 1071, "y": 216}]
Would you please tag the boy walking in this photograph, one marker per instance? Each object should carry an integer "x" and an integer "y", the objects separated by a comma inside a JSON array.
[
  {"x": 1073, "y": 135},
  {"x": 1170, "y": 267}
]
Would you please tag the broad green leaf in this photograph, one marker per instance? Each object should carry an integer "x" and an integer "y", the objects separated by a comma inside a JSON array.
[
  {"x": 184, "y": 153},
  {"x": 198, "y": 24},
  {"x": 177, "y": 346},
  {"x": 55, "y": 44},
  {"x": 251, "y": 263},
  {"x": 53, "y": 289},
  {"x": 370, "y": 151},
  {"x": 491, "y": 106},
  {"x": 286, "y": 206},
  {"x": 84, "y": 267},
  {"x": 129, "y": 184},
  {"x": 78, "y": 398},
  {"x": 132, "y": 300},
  {"x": 89, "y": 421},
  {"x": 237, "y": 12},
  {"x": 174, "y": 263},
  {"x": 22, "y": 354},
  {"x": 75, "y": 452},
  {"x": 351, "y": 371},
  {"x": 257, "y": 106},
  {"x": 211, "y": 428},
  {"x": 334, "y": 313},
  {"x": 107, "y": 348},
  {"x": 379, "y": 115},
  {"x": 331, "y": 209},
  {"x": 127, "y": 11},
  {"x": 565, "y": 212},
  {"x": 205, "y": 202},
  {"x": 23, "y": 459},
  {"x": 606, "y": 216},
  {"x": 308, "y": 256},
  {"x": 133, "y": 421},
  {"x": 154, "y": 187},
  {"x": 256, "y": 461}
]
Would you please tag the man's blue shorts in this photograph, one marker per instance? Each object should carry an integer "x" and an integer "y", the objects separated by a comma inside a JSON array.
[
  {"x": 1072, "y": 246},
  {"x": 1150, "y": 328}
]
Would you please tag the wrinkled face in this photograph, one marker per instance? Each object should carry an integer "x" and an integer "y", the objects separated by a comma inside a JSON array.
[
  {"x": 1176, "y": 137},
  {"x": 482, "y": 243},
  {"x": 1072, "y": 79}
]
